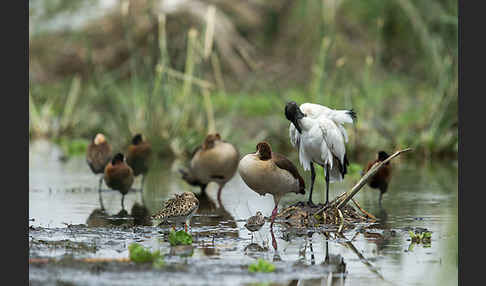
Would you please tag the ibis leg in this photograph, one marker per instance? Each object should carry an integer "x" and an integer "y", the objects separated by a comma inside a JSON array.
[
  {"x": 313, "y": 177},
  {"x": 327, "y": 184}
]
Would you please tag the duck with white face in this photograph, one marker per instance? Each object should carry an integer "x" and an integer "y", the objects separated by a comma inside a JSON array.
[
  {"x": 318, "y": 134},
  {"x": 98, "y": 155}
]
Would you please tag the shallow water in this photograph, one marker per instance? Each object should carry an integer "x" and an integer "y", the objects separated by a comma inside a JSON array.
[{"x": 65, "y": 193}]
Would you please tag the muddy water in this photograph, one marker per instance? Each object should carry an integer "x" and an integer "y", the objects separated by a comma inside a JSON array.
[{"x": 67, "y": 224}]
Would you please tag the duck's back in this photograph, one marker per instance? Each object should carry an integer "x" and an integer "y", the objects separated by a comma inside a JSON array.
[
  {"x": 218, "y": 163},
  {"x": 98, "y": 156}
]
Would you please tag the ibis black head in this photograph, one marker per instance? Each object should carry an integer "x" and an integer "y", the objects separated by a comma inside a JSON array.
[
  {"x": 382, "y": 155},
  {"x": 118, "y": 158},
  {"x": 137, "y": 139},
  {"x": 293, "y": 114}
]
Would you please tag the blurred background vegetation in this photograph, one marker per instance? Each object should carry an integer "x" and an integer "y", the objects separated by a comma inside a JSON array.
[{"x": 176, "y": 70}]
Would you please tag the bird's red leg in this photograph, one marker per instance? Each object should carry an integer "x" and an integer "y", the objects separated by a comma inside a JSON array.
[
  {"x": 274, "y": 214},
  {"x": 274, "y": 241},
  {"x": 185, "y": 226}
]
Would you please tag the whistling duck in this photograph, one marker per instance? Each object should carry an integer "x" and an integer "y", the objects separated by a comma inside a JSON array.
[
  {"x": 268, "y": 172},
  {"x": 138, "y": 156},
  {"x": 381, "y": 179},
  {"x": 119, "y": 176},
  {"x": 318, "y": 134},
  {"x": 98, "y": 155},
  {"x": 214, "y": 161}
]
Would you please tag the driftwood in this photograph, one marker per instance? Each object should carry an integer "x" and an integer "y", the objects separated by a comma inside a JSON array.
[
  {"x": 367, "y": 176},
  {"x": 338, "y": 212}
]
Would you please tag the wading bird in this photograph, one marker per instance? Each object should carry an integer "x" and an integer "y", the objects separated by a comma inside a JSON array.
[
  {"x": 179, "y": 209},
  {"x": 119, "y": 176},
  {"x": 267, "y": 172},
  {"x": 318, "y": 134},
  {"x": 98, "y": 155},
  {"x": 255, "y": 223},
  {"x": 214, "y": 161},
  {"x": 138, "y": 156},
  {"x": 381, "y": 179}
]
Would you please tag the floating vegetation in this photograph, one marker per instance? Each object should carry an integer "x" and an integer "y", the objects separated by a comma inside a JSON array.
[
  {"x": 420, "y": 236},
  {"x": 179, "y": 238},
  {"x": 261, "y": 266},
  {"x": 140, "y": 254}
]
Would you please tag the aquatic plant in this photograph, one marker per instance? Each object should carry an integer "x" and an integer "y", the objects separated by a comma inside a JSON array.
[
  {"x": 140, "y": 254},
  {"x": 423, "y": 237},
  {"x": 261, "y": 266},
  {"x": 179, "y": 238}
]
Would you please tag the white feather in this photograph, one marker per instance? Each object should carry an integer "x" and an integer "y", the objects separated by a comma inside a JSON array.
[
  {"x": 322, "y": 138},
  {"x": 294, "y": 136}
]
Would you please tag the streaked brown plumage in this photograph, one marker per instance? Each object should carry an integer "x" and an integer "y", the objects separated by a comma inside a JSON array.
[
  {"x": 179, "y": 209},
  {"x": 255, "y": 223},
  {"x": 214, "y": 161},
  {"x": 269, "y": 172},
  {"x": 98, "y": 155},
  {"x": 138, "y": 156},
  {"x": 119, "y": 176},
  {"x": 381, "y": 179}
]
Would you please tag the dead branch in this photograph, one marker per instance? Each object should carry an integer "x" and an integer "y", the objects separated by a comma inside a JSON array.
[{"x": 366, "y": 177}]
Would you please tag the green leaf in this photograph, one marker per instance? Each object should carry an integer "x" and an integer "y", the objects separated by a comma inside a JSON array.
[
  {"x": 179, "y": 238},
  {"x": 140, "y": 254},
  {"x": 412, "y": 234},
  {"x": 427, "y": 235},
  {"x": 261, "y": 266}
]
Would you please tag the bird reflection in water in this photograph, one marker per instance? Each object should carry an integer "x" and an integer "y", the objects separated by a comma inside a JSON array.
[{"x": 139, "y": 215}]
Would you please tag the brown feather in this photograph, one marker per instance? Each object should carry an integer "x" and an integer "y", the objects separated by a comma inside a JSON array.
[
  {"x": 119, "y": 177},
  {"x": 283, "y": 163},
  {"x": 381, "y": 179},
  {"x": 138, "y": 157},
  {"x": 98, "y": 156}
]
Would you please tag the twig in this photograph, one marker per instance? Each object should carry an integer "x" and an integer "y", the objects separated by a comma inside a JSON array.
[
  {"x": 342, "y": 220},
  {"x": 366, "y": 177},
  {"x": 362, "y": 210}
]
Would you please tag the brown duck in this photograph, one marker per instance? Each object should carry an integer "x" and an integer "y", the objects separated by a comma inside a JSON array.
[
  {"x": 138, "y": 156},
  {"x": 119, "y": 176},
  {"x": 381, "y": 179},
  {"x": 267, "y": 172},
  {"x": 214, "y": 161},
  {"x": 98, "y": 155}
]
